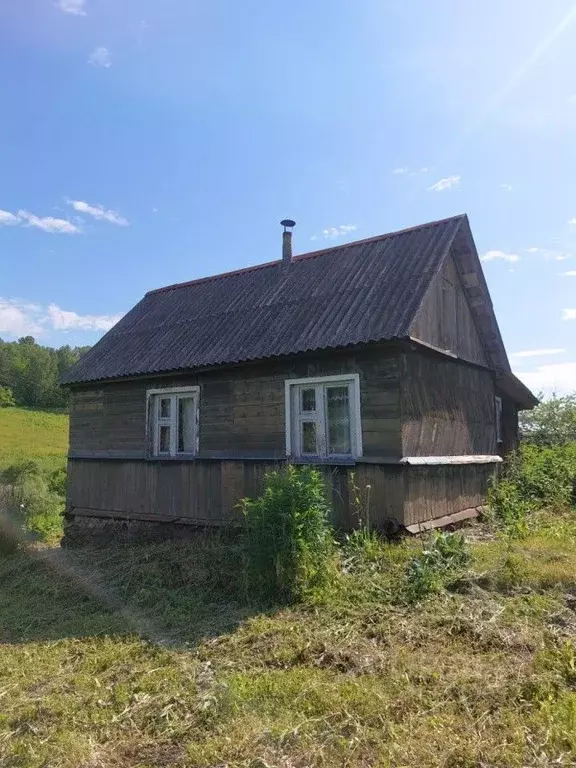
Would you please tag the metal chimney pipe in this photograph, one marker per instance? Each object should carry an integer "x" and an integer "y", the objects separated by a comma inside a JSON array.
[{"x": 287, "y": 241}]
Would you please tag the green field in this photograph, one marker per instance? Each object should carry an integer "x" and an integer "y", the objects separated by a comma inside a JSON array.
[
  {"x": 150, "y": 656},
  {"x": 28, "y": 434}
]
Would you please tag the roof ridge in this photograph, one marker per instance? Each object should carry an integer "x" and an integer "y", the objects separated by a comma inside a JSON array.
[{"x": 309, "y": 254}]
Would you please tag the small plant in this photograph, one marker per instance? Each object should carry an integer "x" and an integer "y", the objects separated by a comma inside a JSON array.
[
  {"x": 289, "y": 543},
  {"x": 427, "y": 573}
]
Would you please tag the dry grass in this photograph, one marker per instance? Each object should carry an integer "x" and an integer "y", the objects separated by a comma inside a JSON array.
[{"x": 151, "y": 656}]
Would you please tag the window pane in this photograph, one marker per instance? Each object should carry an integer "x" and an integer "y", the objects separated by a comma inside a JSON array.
[
  {"x": 165, "y": 404},
  {"x": 308, "y": 399},
  {"x": 186, "y": 425},
  {"x": 164, "y": 442},
  {"x": 309, "y": 437},
  {"x": 338, "y": 409}
]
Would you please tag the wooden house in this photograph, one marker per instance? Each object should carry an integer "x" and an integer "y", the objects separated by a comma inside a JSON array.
[{"x": 380, "y": 361}]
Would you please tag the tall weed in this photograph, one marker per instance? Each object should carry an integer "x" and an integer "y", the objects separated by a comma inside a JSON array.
[
  {"x": 443, "y": 560},
  {"x": 289, "y": 542}
]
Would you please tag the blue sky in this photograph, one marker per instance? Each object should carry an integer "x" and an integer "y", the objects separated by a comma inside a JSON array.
[{"x": 146, "y": 143}]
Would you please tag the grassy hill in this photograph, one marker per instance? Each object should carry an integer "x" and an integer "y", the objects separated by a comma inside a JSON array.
[
  {"x": 28, "y": 434},
  {"x": 152, "y": 656}
]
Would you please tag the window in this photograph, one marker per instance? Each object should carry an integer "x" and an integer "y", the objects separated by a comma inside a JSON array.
[
  {"x": 323, "y": 417},
  {"x": 173, "y": 418},
  {"x": 498, "y": 408}
]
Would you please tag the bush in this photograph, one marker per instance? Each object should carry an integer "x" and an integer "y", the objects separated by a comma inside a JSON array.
[
  {"x": 289, "y": 544},
  {"x": 508, "y": 509},
  {"x": 36, "y": 502},
  {"x": 6, "y": 397},
  {"x": 532, "y": 478},
  {"x": 441, "y": 561}
]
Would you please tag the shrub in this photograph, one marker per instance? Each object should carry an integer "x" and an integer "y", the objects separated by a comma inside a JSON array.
[
  {"x": 289, "y": 543},
  {"x": 6, "y": 397},
  {"x": 508, "y": 508},
  {"x": 36, "y": 503},
  {"x": 429, "y": 571}
]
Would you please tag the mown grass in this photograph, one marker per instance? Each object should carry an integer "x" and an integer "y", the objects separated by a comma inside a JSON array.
[
  {"x": 152, "y": 656},
  {"x": 38, "y": 435}
]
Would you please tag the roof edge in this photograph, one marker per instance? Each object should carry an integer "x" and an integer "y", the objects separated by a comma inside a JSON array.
[{"x": 307, "y": 255}]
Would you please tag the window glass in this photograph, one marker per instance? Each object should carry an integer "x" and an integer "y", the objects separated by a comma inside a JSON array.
[
  {"x": 185, "y": 425},
  {"x": 164, "y": 439},
  {"x": 309, "y": 442},
  {"x": 338, "y": 412},
  {"x": 165, "y": 407},
  {"x": 308, "y": 399}
]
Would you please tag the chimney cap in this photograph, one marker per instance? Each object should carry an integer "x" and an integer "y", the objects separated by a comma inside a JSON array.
[{"x": 287, "y": 223}]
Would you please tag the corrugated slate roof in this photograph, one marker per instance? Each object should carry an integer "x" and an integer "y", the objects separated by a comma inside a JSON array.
[{"x": 364, "y": 291}]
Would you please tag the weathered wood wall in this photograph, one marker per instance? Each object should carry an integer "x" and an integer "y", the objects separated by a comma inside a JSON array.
[
  {"x": 208, "y": 491},
  {"x": 509, "y": 426},
  {"x": 445, "y": 319},
  {"x": 436, "y": 491},
  {"x": 241, "y": 409},
  {"x": 447, "y": 407}
]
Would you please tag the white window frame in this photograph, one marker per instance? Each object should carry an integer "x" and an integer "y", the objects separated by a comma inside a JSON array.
[
  {"x": 294, "y": 417},
  {"x": 499, "y": 423},
  {"x": 154, "y": 421}
]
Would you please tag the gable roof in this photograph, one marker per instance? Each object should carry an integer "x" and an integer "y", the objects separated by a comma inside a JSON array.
[{"x": 369, "y": 290}]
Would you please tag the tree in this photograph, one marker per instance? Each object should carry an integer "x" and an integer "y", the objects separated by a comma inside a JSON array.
[
  {"x": 552, "y": 422},
  {"x": 32, "y": 372},
  {"x": 6, "y": 397}
]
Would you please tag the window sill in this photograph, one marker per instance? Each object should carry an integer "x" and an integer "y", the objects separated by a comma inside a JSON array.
[{"x": 339, "y": 461}]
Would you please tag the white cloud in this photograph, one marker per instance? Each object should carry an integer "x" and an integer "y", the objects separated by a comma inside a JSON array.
[
  {"x": 75, "y": 7},
  {"x": 22, "y": 318},
  {"x": 569, "y": 314},
  {"x": 8, "y": 218},
  {"x": 503, "y": 255},
  {"x": 570, "y": 273},
  {"x": 98, "y": 212},
  {"x": 537, "y": 352},
  {"x": 550, "y": 254},
  {"x": 48, "y": 223},
  {"x": 100, "y": 57},
  {"x": 450, "y": 182},
  {"x": 17, "y": 318},
  {"x": 559, "y": 378},
  {"x": 506, "y": 187},
  {"x": 332, "y": 233},
  {"x": 400, "y": 171},
  {"x": 572, "y": 220},
  {"x": 65, "y": 320}
]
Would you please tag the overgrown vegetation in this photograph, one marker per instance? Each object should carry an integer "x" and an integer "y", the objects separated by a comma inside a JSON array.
[
  {"x": 31, "y": 372},
  {"x": 151, "y": 655},
  {"x": 289, "y": 542}
]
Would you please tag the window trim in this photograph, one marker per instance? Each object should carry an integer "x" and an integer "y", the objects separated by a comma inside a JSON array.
[
  {"x": 355, "y": 414},
  {"x": 153, "y": 421},
  {"x": 499, "y": 419}
]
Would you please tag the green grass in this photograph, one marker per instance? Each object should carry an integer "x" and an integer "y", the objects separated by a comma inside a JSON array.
[
  {"x": 37, "y": 435},
  {"x": 151, "y": 656}
]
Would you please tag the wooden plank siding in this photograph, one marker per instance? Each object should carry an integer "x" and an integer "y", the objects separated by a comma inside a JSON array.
[
  {"x": 445, "y": 319},
  {"x": 438, "y": 491},
  {"x": 241, "y": 409},
  {"x": 208, "y": 491},
  {"x": 447, "y": 407}
]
